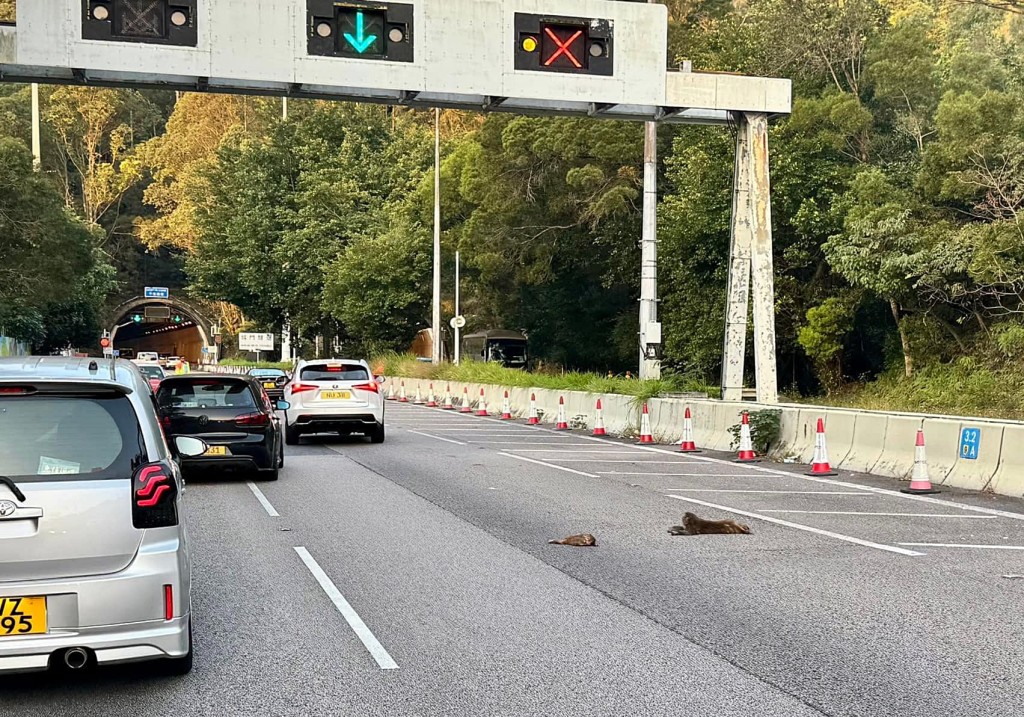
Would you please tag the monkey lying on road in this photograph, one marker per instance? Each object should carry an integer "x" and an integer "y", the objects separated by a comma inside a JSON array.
[
  {"x": 586, "y": 540},
  {"x": 692, "y": 525}
]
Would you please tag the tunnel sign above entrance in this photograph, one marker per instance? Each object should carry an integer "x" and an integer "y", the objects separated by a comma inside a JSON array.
[{"x": 157, "y": 292}]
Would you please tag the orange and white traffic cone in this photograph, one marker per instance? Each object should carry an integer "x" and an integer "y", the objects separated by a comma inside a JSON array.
[
  {"x": 448, "y": 405},
  {"x": 431, "y": 398},
  {"x": 466, "y": 408},
  {"x": 506, "y": 409},
  {"x": 534, "y": 419},
  {"x": 390, "y": 396},
  {"x": 599, "y": 421},
  {"x": 820, "y": 465},
  {"x": 920, "y": 483},
  {"x": 747, "y": 454},
  {"x": 561, "y": 424},
  {"x": 645, "y": 426},
  {"x": 419, "y": 396},
  {"x": 481, "y": 405},
  {"x": 402, "y": 398},
  {"x": 687, "y": 445}
]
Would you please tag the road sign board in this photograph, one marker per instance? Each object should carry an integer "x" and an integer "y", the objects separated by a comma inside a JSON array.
[
  {"x": 157, "y": 292},
  {"x": 970, "y": 443},
  {"x": 361, "y": 30},
  {"x": 104, "y": 342},
  {"x": 256, "y": 342}
]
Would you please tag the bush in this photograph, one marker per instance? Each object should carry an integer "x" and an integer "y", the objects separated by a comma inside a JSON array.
[{"x": 764, "y": 429}]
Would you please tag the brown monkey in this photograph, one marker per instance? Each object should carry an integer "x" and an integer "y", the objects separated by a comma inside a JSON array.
[
  {"x": 586, "y": 540},
  {"x": 692, "y": 525}
]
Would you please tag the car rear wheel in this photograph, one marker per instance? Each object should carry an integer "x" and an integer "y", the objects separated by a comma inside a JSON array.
[
  {"x": 291, "y": 435},
  {"x": 377, "y": 434}
]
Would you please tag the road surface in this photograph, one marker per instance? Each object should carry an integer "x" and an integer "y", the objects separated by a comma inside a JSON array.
[{"x": 415, "y": 578}]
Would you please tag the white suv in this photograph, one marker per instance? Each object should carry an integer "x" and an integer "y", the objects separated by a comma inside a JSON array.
[{"x": 333, "y": 396}]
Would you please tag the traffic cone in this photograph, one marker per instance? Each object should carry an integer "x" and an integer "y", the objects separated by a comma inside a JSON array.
[
  {"x": 465, "y": 401},
  {"x": 391, "y": 393},
  {"x": 820, "y": 465},
  {"x": 481, "y": 406},
  {"x": 920, "y": 483},
  {"x": 402, "y": 398},
  {"x": 687, "y": 445},
  {"x": 431, "y": 399},
  {"x": 419, "y": 396},
  {"x": 506, "y": 409},
  {"x": 533, "y": 419},
  {"x": 448, "y": 406},
  {"x": 599, "y": 421},
  {"x": 561, "y": 424},
  {"x": 645, "y": 426},
  {"x": 747, "y": 454}
]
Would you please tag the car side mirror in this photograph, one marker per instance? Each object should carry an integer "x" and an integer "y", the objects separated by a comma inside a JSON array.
[
  {"x": 189, "y": 447},
  {"x": 283, "y": 405}
]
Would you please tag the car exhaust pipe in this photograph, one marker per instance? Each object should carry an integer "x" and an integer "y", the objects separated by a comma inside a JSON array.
[{"x": 76, "y": 658}]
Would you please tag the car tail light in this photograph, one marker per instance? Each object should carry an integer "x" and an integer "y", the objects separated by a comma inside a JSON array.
[
  {"x": 367, "y": 387},
  {"x": 16, "y": 390},
  {"x": 168, "y": 602},
  {"x": 253, "y": 419},
  {"x": 154, "y": 497},
  {"x": 300, "y": 387}
]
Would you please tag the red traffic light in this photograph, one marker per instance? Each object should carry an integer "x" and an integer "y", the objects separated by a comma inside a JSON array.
[{"x": 563, "y": 45}]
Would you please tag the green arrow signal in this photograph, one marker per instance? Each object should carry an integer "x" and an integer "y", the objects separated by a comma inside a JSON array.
[{"x": 361, "y": 42}]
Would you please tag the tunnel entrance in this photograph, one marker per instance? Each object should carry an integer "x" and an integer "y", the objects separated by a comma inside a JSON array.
[{"x": 169, "y": 328}]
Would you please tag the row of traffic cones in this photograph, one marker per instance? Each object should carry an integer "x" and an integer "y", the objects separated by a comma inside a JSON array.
[{"x": 920, "y": 483}]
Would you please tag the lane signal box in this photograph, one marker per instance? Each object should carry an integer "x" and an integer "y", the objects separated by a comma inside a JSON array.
[
  {"x": 360, "y": 30},
  {"x": 576, "y": 45},
  {"x": 159, "y": 22}
]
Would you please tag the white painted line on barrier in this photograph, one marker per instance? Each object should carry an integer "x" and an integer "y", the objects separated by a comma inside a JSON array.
[
  {"x": 798, "y": 526},
  {"x": 887, "y": 515},
  {"x": 548, "y": 465},
  {"x": 780, "y": 492},
  {"x": 558, "y": 450},
  {"x": 436, "y": 438},
  {"x": 384, "y": 660},
  {"x": 263, "y": 500},
  {"x": 958, "y": 545},
  {"x": 525, "y": 443}
]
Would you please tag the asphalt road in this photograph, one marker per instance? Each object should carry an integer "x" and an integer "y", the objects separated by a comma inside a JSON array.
[{"x": 415, "y": 578}]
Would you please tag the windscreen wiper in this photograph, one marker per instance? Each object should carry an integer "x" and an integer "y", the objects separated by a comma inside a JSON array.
[{"x": 14, "y": 488}]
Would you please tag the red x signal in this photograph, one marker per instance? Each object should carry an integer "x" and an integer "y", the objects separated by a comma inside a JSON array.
[{"x": 564, "y": 47}]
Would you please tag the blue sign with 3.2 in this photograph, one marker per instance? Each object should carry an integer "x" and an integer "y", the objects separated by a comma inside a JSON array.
[{"x": 970, "y": 442}]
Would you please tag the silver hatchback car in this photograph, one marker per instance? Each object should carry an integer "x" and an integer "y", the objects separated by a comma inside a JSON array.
[{"x": 94, "y": 560}]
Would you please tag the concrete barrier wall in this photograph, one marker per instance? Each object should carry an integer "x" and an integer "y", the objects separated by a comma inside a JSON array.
[{"x": 860, "y": 441}]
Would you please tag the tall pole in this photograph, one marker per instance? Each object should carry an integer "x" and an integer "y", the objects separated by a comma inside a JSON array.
[
  {"x": 37, "y": 152},
  {"x": 436, "y": 322},
  {"x": 458, "y": 312},
  {"x": 650, "y": 329},
  {"x": 284, "y": 108}
]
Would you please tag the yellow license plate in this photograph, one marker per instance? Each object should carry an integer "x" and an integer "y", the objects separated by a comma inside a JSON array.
[
  {"x": 22, "y": 616},
  {"x": 270, "y": 385},
  {"x": 335, "y": 395},
  {"x": 216, "y": 451}
]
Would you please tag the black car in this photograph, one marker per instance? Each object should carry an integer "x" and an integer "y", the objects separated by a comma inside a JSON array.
[
  {"x": 232, "y": 414},
  {"x": 272, "y": 380}
]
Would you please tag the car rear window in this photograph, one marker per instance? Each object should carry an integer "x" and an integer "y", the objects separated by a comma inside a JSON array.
[
  {"x": 205, "y": 393},
  {"x": 68, "y": 438},
  {"x": 330, "y": 372},
  {"x": 152, "y": 371}
]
